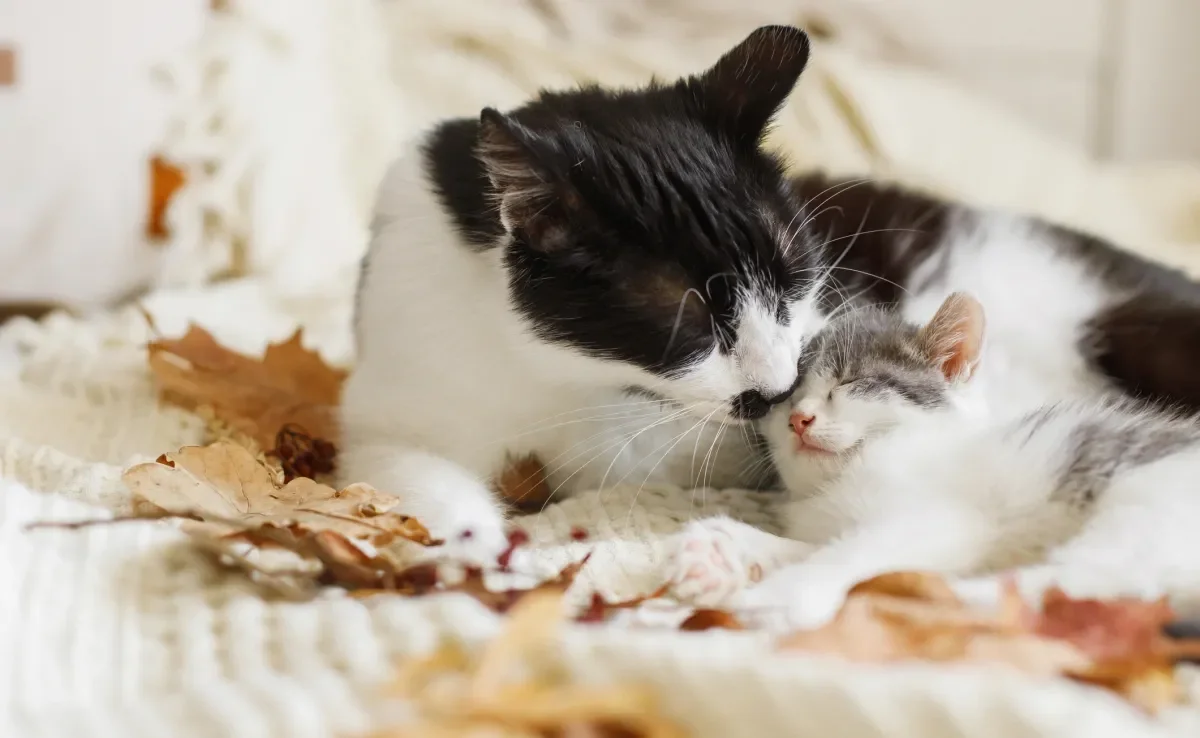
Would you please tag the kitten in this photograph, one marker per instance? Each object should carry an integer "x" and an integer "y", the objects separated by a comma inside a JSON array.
[
  {"x": 602, "y": 278},
  {"x": 894, "y": 462}
]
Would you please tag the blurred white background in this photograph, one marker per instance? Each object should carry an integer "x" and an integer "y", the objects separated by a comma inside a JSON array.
[{"x": 281, "y": 112}]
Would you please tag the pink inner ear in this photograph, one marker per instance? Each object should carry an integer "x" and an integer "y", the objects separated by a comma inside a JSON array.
[{"x": 954, "y": 337}]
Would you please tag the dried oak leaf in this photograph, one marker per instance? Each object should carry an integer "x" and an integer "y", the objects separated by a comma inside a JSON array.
[
  {"x": 916, "y": 585},
  {"x": 1123, "y": 638},
  {"x": 165, "y": 181},
  {"x": 1116, "y": 644},
  {"x": 886, "y": 627},
  {"x": 599, "y": 609},
  {"x": 502, "y": 601},
  {"x": 229, "y": 491},
  {"x": 522, "y": 484},
  {"x": 289, "y": 386},
  {"x": 1106, "y": 630},
  {"x": 515, "y": 688},
  {"x": 706, "y": 619}
]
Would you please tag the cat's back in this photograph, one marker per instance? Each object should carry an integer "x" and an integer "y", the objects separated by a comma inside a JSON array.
[{"x": 1091, "y": 442}]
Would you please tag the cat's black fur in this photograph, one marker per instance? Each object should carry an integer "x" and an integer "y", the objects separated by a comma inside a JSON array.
[{"x": 642, "y": 217}]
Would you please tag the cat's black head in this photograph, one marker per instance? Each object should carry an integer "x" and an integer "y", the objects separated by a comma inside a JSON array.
[{"x": 648, "y": 229}]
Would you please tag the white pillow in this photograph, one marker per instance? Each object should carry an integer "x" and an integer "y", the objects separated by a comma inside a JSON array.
[{"x": 78, "y": 126}]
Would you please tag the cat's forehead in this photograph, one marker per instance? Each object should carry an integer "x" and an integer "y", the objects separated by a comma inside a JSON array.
[{"x": 869, "y": 341}]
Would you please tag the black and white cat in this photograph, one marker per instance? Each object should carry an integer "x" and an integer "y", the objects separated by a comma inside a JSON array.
[
  {"x": 616, "y": 280},
  {"x": 894, "y": 461}
]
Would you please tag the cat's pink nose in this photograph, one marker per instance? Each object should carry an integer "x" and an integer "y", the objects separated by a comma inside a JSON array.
[{"x": 800, "y": 422}]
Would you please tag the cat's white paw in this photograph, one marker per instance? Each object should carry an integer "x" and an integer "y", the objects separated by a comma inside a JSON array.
[
  {"x": 796, "y": 597},
  {"x": 709, "y": 566}
]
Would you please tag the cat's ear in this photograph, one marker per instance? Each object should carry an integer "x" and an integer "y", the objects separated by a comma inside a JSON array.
[
  {"x": 954, "y": 337},
  {"x": 747, "y": 86},
  {"x": 530, "y": 196}
]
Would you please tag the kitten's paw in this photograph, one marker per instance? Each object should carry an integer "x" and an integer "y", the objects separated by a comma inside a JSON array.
[
  {"x": 794, "y": 598},
  {"x": 709, "y": 565}
]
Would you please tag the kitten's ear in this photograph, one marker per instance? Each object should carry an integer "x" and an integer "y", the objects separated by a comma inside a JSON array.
[
  {"x": 529, "y": 195},
  {"x": 954, "y": 337},
  {"x": 747, "y": 86}
]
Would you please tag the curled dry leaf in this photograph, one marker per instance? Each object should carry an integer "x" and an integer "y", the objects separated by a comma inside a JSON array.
[
  {"x": 522, "y": 484},
  {"x": 515, "y": 688},
  {"x": 599, "y": 609},
  {"x": 705, "y": 619},
  {"x": 916, "y": 585},
  {"x": 1117, "y": 644},
  {"x": 1124, "y": 639},
  {"x": 301, "y": 455},
  {"x": 229, "y": 491},
  {"x": 289, "y": 385}
]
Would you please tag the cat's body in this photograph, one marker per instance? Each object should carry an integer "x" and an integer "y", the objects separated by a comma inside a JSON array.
[
  {"x": 534, "y": 279},
  {"x": 469, "y": 382},
  {"x": 896, "y": 465}
]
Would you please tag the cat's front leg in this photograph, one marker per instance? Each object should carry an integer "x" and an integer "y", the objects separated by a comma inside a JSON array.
[
  {"x": 454, "y": 504},
  {"x": 712, "y": 560},
  {"x": 944, "y": 539}
]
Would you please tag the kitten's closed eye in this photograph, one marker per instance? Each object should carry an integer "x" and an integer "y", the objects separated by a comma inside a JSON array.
[{"x": 872, "y": 386}]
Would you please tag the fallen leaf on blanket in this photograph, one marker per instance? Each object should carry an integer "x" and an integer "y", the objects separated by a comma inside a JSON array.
[
  {"x": 1106, "y": 630},
  {"x": 229, "y": 491},
  {"x": 165, "y": 181},
  {"x": 289, "y": 386},
  {"x": 1116, "y": 644},
  {"x": 502, "y": 601},
  {"x": 881, "y": 628},
  {"x": 600, "y": 609},
  {"x": 301, "y": 455},
  {"x": 705, "y": 619},
  {"x": 1124, "y": 638},
  {"x": 522, "y": 484},
  {"x": 518, "y": 687},
  {"x": 918, "y": 585}
]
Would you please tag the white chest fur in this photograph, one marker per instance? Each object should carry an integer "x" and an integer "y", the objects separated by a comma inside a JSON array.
[{"x": 447, "y": 366}]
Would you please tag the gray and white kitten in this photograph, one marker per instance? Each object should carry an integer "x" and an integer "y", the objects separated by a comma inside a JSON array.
[{"x": 895, "y": 462}]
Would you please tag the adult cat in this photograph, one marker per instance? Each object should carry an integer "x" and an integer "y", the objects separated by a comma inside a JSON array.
[{"x": 611, "y": 279}]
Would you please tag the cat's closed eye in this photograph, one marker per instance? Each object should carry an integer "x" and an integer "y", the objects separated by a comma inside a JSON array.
[{"x": 868, "y": 386}]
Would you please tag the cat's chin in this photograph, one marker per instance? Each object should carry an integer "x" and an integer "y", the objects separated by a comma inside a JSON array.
[{"x": 804, "y": 471}]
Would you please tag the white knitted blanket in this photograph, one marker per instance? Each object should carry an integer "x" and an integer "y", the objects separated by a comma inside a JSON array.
[
  {"x": 288, "y": 110},
  {"x": 125, "y": 631}
]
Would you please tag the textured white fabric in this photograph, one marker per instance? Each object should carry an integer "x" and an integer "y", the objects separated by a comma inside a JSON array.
[
  {"x": 287, "y": 112},
  {"x": 124, "y": 631}
]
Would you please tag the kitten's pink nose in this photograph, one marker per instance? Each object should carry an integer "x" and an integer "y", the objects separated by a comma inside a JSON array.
[{"x": 800, "y": 422}]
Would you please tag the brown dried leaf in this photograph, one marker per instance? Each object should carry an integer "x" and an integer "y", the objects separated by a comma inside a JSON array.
[
  {"x": 513, "y": 689},
  {"x": 882, "y": 628},
  {"x": 599, "y": 609},
  {"x": 1116, "y": 644},
  {"x": 502, "y": 601},
  {"x": 910, "y": 584},
  {"x": 1107, "y": 630},
  {"x": 705, "y": 619},
  {"x": 224, "y": 485},
  {"x": 290, "y": 385},
  {"x": 522, "y": 484},
  {"x": 165, "y": 181}
]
